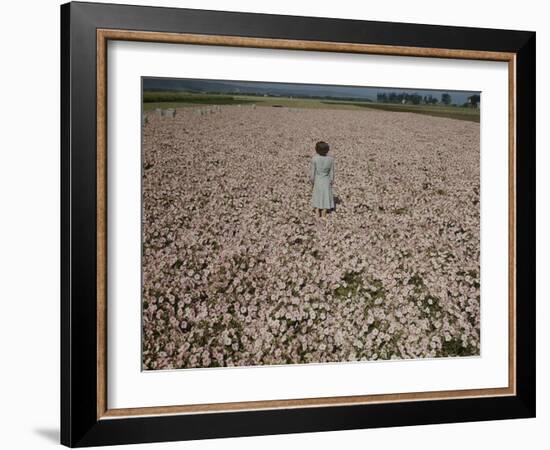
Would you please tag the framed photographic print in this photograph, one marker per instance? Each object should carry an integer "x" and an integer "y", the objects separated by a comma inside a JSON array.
[{"x": 280, "y": 224}]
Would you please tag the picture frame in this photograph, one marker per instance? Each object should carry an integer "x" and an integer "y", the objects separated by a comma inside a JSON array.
[{"x": 86, "y": 419}]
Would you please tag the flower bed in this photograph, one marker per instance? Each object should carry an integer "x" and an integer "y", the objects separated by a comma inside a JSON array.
[{"x": 237, "y": 270}]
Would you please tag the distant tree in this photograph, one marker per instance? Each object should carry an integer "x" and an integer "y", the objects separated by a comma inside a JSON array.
[
  {"x": 473, "y": 100},
  {"x": 446, "y": 99},
  {"x": 411, "y": 98}
]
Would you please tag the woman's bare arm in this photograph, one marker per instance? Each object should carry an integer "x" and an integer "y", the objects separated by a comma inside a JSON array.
[{"x": 312, "y": 171}]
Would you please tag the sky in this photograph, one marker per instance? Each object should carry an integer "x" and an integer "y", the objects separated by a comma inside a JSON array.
[{"x": 291, "y": 89}]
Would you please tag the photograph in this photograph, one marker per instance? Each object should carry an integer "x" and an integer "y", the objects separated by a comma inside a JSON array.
[{"x": 290, "y": 223}]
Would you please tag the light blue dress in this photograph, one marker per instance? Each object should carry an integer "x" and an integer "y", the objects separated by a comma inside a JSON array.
[{"x": 321, "y": 174}]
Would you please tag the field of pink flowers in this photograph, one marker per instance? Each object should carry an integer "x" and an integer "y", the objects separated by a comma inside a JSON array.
[{"x": 238, "y": 271}]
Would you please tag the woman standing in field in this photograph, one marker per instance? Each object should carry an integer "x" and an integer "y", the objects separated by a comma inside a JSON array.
[{"x": 321, "y": 175}]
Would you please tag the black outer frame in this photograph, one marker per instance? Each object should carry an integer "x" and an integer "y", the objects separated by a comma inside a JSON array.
[{"x": 79, "y": 424}]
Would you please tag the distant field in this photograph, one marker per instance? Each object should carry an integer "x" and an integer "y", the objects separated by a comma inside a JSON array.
[
  {"x": 452, "y": 112},
  {"x": 157, "y": 99}
]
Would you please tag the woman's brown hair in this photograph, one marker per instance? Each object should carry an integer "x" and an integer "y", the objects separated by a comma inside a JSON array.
[{"x": 322, "y": 148}]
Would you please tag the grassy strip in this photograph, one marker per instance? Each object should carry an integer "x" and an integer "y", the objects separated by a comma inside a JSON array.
[
  {"x": 149, "y": 106},
  {"x": 176, "y": 97},
  {"x": 452, "y": 112}
]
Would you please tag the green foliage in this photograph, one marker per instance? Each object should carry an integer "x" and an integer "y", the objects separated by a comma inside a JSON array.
[
  {"x": 454, "y": 347},
  {"x": 446, "y": 99},
  {"x": 353, "y": 283},
  {"x": 184, "y": 97},
  {"x": 400, "y": 211}
]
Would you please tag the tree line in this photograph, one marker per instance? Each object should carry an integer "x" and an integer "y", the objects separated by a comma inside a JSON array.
[{"x": 416, "y": 99}]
